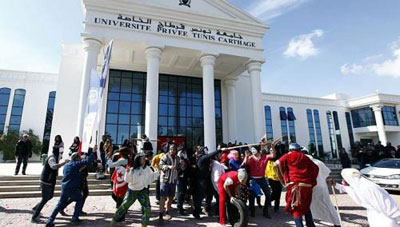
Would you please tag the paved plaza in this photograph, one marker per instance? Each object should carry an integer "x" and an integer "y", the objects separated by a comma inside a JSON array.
[{"x": 100, "y": 209}]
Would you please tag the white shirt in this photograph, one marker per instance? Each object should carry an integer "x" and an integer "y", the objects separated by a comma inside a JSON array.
[
  {"x": 139, "y": 179},
  {"x": 53, "y": 163}
]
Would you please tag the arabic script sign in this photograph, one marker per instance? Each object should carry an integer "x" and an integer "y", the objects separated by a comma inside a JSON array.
[{"x": 175, "y": 29}]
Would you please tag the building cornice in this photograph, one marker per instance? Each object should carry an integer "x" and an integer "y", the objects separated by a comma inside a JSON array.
[
  {"x": 254, "y": 28},
  {"x": 12, "y": 75},
  {"x": 268, "y": 97}
]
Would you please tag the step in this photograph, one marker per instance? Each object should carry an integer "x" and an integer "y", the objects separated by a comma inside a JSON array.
[
  {"x": 37, "y": 177},
  {"x": 36, "y": 182},
  {"x": 30, "y": 188},
  {"x": 38, "y": 194}
]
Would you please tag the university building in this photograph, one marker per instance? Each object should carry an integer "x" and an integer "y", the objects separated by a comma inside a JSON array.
[{"x": 188, "y": 70}]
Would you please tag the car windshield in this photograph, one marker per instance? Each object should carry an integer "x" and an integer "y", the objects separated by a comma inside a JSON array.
[{"x": 388, "y": 163}]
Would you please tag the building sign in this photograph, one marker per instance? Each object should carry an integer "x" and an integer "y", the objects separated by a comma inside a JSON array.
[{"x": 175, "y": 29}]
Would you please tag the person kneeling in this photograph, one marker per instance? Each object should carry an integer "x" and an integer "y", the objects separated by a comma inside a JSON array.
[{"x": 227, "y": 185}]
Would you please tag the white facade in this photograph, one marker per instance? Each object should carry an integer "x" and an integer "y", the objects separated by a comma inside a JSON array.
[
  {"x": 342, "y": 104},
  {"x": 37, "y": 87}
]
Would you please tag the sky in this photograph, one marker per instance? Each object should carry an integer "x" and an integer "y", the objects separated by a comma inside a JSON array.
[{"x": 313, "y": 47}]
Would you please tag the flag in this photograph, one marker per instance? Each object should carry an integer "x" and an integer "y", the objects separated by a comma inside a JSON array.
[
  {"x": 95, "y": 102},
  {"x": 91, "y": 109},
  {"x": 103, "y": 83}
]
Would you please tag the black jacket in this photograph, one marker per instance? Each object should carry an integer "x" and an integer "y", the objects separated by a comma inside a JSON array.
[
  {"x": 203, "y": 165},
  {"x": 23, "y": 148}
]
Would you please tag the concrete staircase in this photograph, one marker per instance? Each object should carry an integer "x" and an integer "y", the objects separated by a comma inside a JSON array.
[{"x": 29, "y": 186}]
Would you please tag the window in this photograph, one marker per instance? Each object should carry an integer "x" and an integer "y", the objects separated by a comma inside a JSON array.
[
  {"x": 311, "y": 130},
  {"x": 284, "y": 126},
  {"x": 17, "y": 109},
  {"x": 350, "y": 128},
  {"x": 181, "y": 109},
  {"x": 292, "y": 129},
  {"x": 363, "y": 117},
  {"x": 48, "y": 121},
  {"x": 331, "y": 133},
  {"x": 390, "y": 116},
  {"x": 318, "y": 131},
  {"x": 4, "y": 100},
  {"x": 268, "y": 123},
  {"x": 337, "y": 130},
  {"x": 125, "y": 104}
]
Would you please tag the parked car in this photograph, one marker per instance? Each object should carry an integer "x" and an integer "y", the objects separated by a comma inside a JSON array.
[{"x": 385, "y": 173}]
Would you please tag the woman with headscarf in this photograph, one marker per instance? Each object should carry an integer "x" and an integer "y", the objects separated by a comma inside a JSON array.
[
  {"x": 139, "y": 177},
  {"x": 382, "y": 210},
  {"x": 234, "y": 161}
]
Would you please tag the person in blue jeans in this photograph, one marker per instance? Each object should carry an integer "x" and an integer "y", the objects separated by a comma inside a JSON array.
[{"x": 70, "y": 187}]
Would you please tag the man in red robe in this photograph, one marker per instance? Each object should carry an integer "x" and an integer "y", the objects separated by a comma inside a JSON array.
[
  {"x": 299, "y": 175},
  {"x": 227, "y": 185}
]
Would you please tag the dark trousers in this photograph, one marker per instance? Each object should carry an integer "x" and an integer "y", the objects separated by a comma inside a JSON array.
[
  {"x": 309, "y": 220},
  {"x": 276, "y": 192},
  {"x": 68, "y": 195},
  {"x": 111, "y": 173},
  {"x": 117, "y": 200},
  {"x": 158, "y": 189},
  {"x": 21, "y": 159},
  {"x": 265, "y": 188},
  {"x": 210, "y": 194},
  {"x": 200, "y": 192},
  {"x": 47, "y": 194},
  {"x": 181, "y": 192},
  {"x": 84, "y": 190}
]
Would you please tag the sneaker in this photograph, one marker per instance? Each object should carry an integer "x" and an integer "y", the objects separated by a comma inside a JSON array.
[
  {"x": 23, "y": 173},
  {"x": 167, "y": 217},
  {"x": 36, "y": 220},
  {"x": 62, "y": 212},
  {"x": 197, "y": 216},
  {"x": 50, "y": 225},
  {"x": 160, "y": 221},
  {"x": 15, "y": 174},
  {"x": 182, "y": 212},
  {"x": 83, "y": 213}
]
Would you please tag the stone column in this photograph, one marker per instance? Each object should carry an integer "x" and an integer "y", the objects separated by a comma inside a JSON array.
[
  {"x": 231, "y": 104},
  {"x": 92, "y": 49},
  {"x": 254, "y": 69},
  {"x": 153, "y": 56},
  {"x": 208, "y": 63},
  {"x": 380, "y": 126}
]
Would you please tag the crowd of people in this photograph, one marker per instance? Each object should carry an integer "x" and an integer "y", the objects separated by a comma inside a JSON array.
[
  {"x": 232, "y": 174},
  {"x": 371, "y": 153}
]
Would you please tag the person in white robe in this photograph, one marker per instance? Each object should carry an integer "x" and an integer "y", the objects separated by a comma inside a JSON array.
[
  {"x": 382, "y": 210},
  {"x": 321, "y": 206}
]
